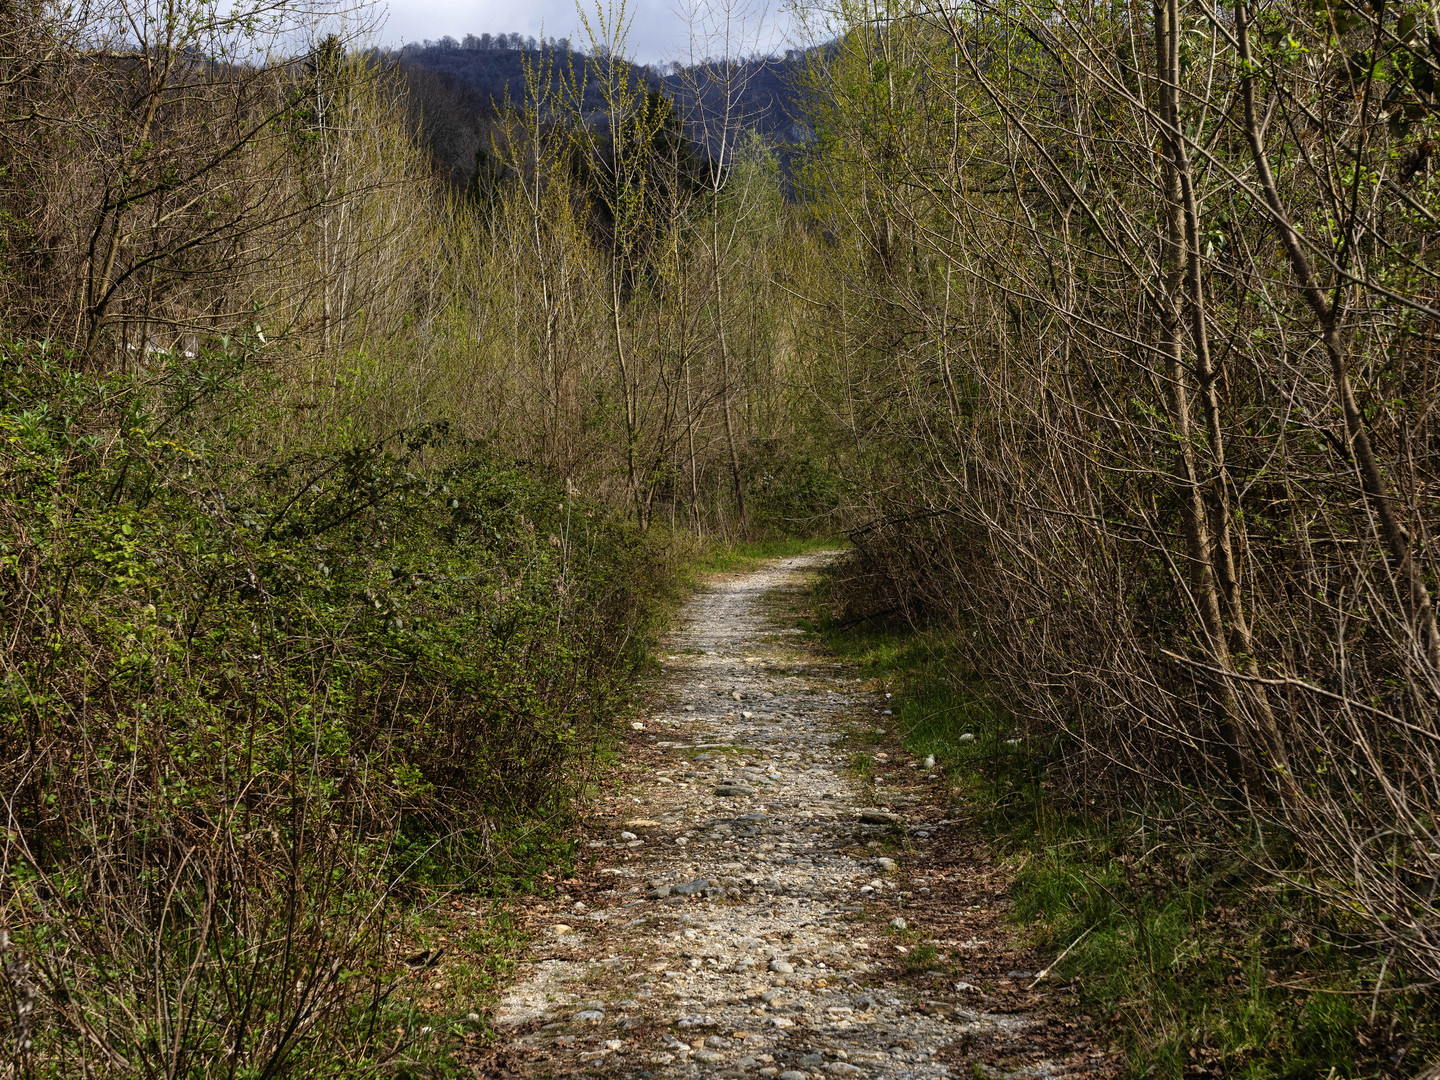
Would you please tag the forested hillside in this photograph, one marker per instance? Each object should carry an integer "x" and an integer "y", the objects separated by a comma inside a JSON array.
[
  {"x": 457, "y": 85},
  {"x": 360, "y": 411}
]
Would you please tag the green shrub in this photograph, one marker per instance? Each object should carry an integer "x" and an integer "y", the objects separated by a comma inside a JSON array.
[{"x": 252, "y": 698}]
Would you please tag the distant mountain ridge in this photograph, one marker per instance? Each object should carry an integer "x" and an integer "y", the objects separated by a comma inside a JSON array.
[{"x": 461, "y": 85}]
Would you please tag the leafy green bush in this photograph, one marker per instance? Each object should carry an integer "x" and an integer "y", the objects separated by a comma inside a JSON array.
[{"x": 249, "y": 697}]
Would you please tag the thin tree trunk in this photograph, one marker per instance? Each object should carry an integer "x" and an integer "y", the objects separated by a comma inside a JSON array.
[
  {"x": 690, "y": 440},
  {"x": 1221, "y": 500},
  {"x": 1200, "y": 547},
  {"x": 720, "y": 317},
  {"x": 100, "y": 292},
  {"x": 631, "y": 472}
]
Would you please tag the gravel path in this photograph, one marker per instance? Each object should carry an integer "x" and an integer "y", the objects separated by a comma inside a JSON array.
[{"x": 744, "y": 919}]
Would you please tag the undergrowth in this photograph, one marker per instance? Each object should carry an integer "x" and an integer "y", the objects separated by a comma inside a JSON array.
[
  {"x": 259, "y": 707},
  {"x": 1202, "y": 964}
]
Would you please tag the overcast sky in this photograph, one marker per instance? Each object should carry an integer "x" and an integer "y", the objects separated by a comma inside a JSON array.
[{"x": 658, "y": 33}]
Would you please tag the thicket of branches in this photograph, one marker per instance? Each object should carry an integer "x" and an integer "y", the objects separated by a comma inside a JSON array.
[
  {"x": 1131, "y": 328},
  {"x": 598, "y": 299},
  {"x": 631, "y": 248}
]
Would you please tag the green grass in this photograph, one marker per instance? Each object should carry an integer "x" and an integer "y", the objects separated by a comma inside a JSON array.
[
  {"x": 731, "y": 557},
  {"x": 921, "y": 958},
  {"x": 1198, "y": 963},
  {"x": 1198, "y": 958},
  {"x": 939, "y": 708},
  {"x": 482, "y": 946},
  {"x": 862, "y": 765}
]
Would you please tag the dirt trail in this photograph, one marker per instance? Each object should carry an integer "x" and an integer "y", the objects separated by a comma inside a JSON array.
[{"x": 741, "y": 917}]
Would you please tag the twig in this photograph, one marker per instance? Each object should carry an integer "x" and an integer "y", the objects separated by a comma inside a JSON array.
[{"x": 1046, "y": 971}]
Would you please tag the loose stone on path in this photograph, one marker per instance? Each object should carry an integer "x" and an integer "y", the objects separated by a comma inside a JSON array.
[{"x": 737, "y": 938}]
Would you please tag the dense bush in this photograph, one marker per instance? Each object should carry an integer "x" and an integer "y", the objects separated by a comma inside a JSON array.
[{"x": 249, "y": 696}]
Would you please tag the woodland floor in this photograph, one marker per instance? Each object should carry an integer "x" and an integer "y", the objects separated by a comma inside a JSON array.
[{"x": 738, "y": 915}]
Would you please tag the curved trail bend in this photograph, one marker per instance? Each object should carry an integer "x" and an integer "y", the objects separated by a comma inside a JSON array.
[{"x": 739, "y": 921}]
